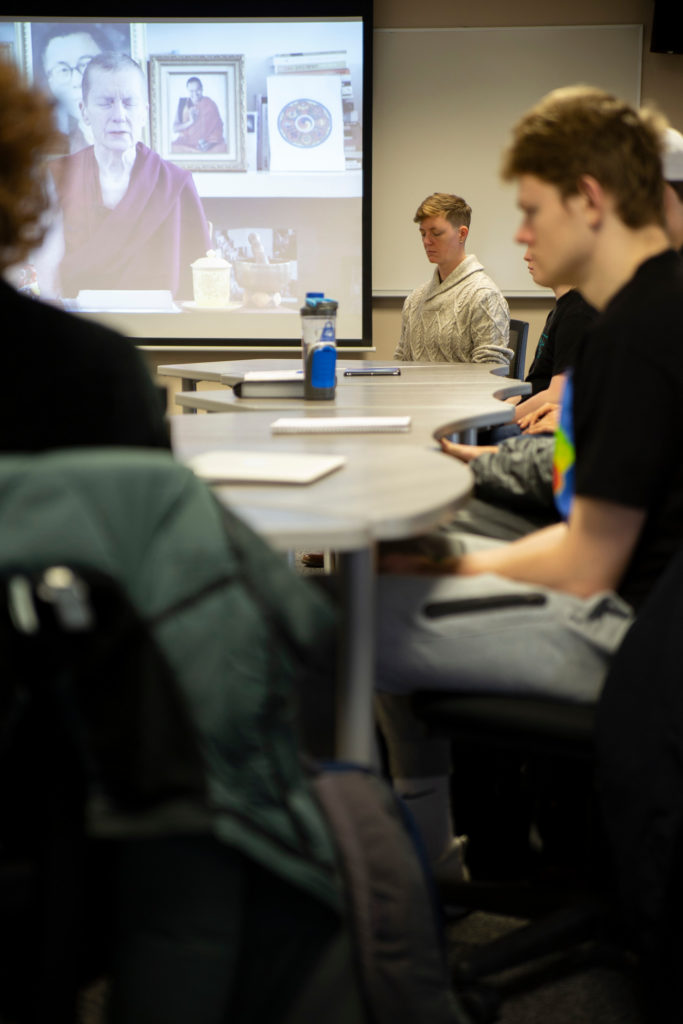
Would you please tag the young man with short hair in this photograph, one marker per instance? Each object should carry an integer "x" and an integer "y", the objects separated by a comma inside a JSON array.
[
  {"x": 460, "y": 316},
  {"x": 590, "y": 188}
]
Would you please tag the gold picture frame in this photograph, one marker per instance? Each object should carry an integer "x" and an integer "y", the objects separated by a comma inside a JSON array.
[{"x": 176, "y": 134}]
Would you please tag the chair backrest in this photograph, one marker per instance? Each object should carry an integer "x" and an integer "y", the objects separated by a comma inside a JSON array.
[
  {"x": 639, "y": 748},
  {"x": 519, "y": 331}
]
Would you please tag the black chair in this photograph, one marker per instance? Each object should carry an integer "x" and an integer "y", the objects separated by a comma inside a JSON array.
[
  {"x": 639, "y": 754},
  {"x": 629, "y": 899},
  {"x": 68, "y": 635},
  {"x": 516, "y": 750},
  {"x": 519, "y": 332}
]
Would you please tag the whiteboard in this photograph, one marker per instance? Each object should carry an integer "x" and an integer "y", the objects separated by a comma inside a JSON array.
[{"x": 444, "y": 103}]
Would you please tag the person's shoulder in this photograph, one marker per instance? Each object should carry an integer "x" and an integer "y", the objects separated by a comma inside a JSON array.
[
  {"x": 472, "y": 267},
  {"x": 65, "y": 169},
  {"x": 572, "y": 305},
  {"x": 53, "y": 324},
  {"x": 653, "y": 293},
  {"x": 153, "y": 160}
]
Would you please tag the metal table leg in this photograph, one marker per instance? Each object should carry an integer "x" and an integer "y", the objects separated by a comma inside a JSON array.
[{"x": 355, "y": 717}]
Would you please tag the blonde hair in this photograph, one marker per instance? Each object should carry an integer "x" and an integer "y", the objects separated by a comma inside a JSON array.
[
  {"x": 443, "y": 204},
  {"x": 580, "y": 130}
]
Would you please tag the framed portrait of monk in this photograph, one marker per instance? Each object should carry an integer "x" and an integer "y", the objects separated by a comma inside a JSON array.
[
  {"x": 198, "y": 111},
  {"x": 55, "y": 54}
]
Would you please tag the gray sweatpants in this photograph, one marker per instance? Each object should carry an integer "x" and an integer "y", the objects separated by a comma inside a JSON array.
[{"x": 489, "y": 634}]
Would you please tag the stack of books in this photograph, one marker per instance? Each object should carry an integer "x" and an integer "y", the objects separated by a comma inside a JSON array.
[{"x": 329, "y": 62}]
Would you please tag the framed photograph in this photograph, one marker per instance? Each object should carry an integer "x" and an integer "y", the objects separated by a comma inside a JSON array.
[
  {"x": 54, "y": 55},
  {"x": 198, "y": 111}
]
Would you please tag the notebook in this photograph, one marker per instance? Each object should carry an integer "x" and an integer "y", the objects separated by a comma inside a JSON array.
[
  {"x": 268, "y": 384},
  {"x": 236, "y": 467},
  {"x": 340, "y": 425},
  {"x": 287, "y": 387}
]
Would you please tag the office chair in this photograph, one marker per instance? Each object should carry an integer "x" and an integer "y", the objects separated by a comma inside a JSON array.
[
  {"x": 639, "y": 755},
  {"x": 632, "y": 741},
  {"x": 519, "y": 331},
  {"x": 66, "y": 741}
]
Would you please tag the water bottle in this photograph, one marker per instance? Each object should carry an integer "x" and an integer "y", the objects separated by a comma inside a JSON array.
[{"x": 319, "y": 346}]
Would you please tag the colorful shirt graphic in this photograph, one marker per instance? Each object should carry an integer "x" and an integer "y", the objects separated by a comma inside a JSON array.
[{"x": 564, "y": 457}]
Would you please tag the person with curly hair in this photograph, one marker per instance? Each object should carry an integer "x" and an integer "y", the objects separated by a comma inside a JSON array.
[{"x": 89, "y": 385}]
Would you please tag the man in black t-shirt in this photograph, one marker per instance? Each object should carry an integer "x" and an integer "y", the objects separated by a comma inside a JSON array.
[
  {"x": 567, "y": 321},
  {"x": 590, "y": 188}
]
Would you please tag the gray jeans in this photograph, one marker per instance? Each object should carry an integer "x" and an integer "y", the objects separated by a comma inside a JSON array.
[
  {"x": 490, "y": 634},
  {"x": 484, "y": 634}
]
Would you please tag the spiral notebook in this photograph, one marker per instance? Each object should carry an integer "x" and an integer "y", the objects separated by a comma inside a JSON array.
[{"x": 340, "y": 425}]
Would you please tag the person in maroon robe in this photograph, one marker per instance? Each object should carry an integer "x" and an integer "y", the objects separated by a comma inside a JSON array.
[
  {"x": 131, "y": 220},
  {"x": 198, "y": 123}
]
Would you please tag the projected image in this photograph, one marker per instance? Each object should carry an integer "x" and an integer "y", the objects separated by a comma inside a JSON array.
[
  {"x": 198, "y": 111},
  {"x": 264, "y": 266},
  {"x": 56, "y": 54},
  {"x": 198, "y": 125},
  {"x": 192, "y": 147}
]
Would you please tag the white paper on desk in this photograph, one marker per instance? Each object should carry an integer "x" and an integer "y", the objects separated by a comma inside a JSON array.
[
  {"x": 340, "y": 425},
  {"x": 264, "y": 467}
]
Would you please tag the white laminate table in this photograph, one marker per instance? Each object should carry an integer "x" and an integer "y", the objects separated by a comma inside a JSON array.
[{"x": 461, "y": 396}]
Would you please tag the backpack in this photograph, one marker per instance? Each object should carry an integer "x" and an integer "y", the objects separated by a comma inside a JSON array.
[{"x": 391, "y": 903}]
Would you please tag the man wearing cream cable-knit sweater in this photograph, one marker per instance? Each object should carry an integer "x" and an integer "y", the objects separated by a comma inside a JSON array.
[{"x": 460, "y": 316}]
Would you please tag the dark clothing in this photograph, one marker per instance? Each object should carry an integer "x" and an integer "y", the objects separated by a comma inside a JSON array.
[
  {"x": 148, "y": 241},
  {"x": 631, "y": 361},
  {"x": 81, "y": 384},
  {"x": 251, "y": 941},
  {"x": 566, "y": 324},
  {"x": 227, "y": 868}
]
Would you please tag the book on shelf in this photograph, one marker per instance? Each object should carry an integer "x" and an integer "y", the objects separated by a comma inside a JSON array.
[
  {"x": 341, "y": 425},
  {"x": 241, "y": 467},
  {"x": 309, "y": 61},
  {"x": 262, "y": 146}
]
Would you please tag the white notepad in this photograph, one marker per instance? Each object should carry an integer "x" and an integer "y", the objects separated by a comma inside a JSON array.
[
  {"x": 236, "y": 467},
  {"x": 340, "y": 425}
]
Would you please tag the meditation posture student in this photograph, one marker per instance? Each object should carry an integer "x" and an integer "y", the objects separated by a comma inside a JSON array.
[
  {"x": 198, "y": 123},
  {"x": 564, "y": 327},
  {"x": 460, "y": 316},
  {"x": 89, "y": 386},
  {"x": 131, "y": 220},
  {"x": 589, "y": 174}
]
